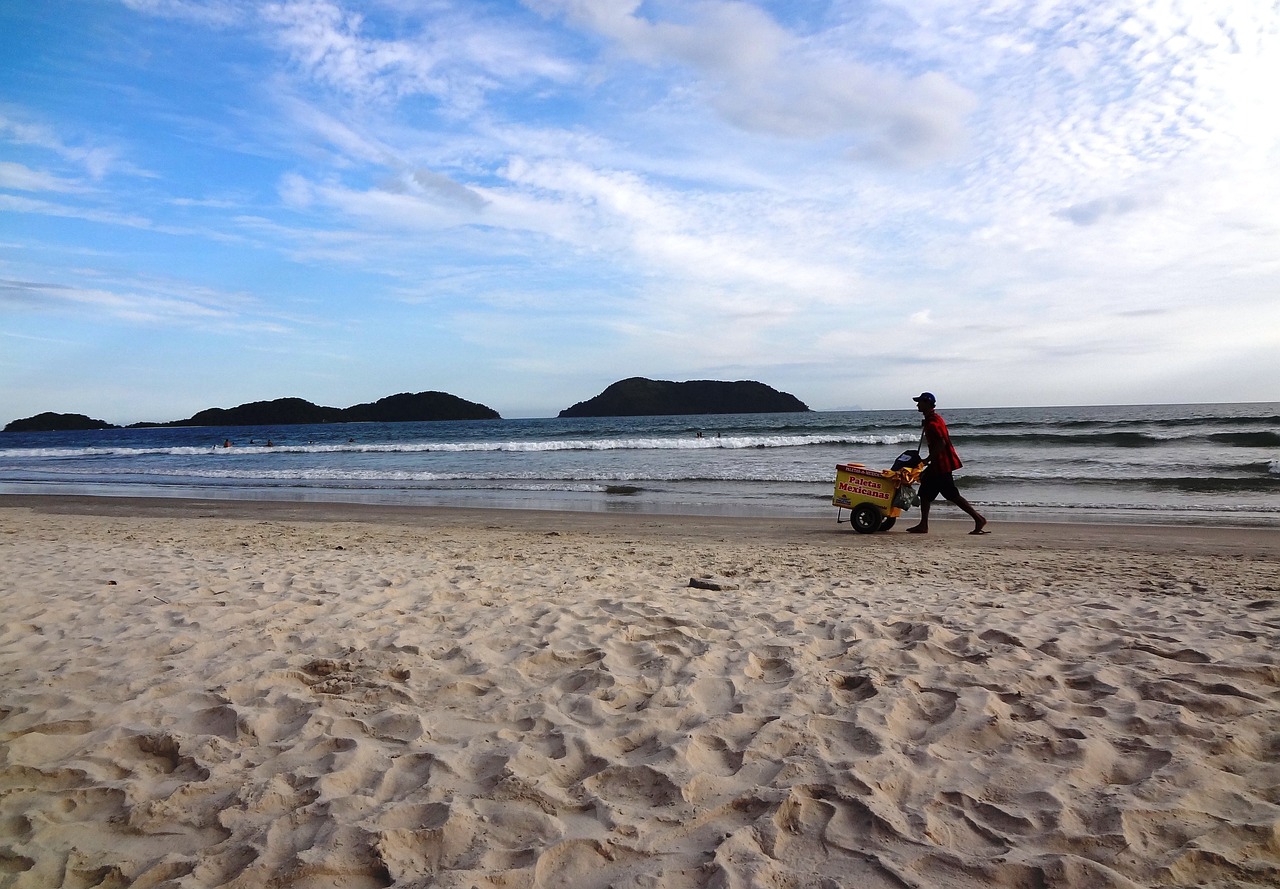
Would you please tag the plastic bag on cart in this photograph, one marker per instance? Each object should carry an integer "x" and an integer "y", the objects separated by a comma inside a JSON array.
[
  {"x": 907, "y": 460},
  {"x": 906, "y": 497}
]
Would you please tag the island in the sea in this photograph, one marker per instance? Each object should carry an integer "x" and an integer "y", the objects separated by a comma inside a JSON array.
[
  {"x": 634, "y": 397},
  {"x": 640, "y": 397},
  {"x": 403, "y": 408},
  {"x": 51, "y": 422}
]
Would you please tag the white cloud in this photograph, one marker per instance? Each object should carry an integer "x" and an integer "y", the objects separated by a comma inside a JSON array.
[
  {"x": 97, "y": 160},
  {"x": 326, "y": 41},
  {"x": 21, "y": 178},
  {"x": 1092, "y": 211},
  {"x": 22, "y": 205},
  {"x": 354, "y": 145},
  {"x": 746, "y": 38},
  {"x": 151, "y": 303},
  {"x": 455, "y": 57},
  {"x": 442, "y": 188},
  {"x": 763, "y": 78}
]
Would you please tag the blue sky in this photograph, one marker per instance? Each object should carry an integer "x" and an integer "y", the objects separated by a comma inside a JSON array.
[{"x": 1008, "y": 203}]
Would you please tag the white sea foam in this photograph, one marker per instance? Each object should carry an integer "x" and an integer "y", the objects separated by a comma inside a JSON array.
[
  {"x": 68, "y": 453},
  {"x": 743, "y": 442},
  {"x": 511, "y": 476}
]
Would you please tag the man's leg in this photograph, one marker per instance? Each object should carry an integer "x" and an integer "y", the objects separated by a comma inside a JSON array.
[
  {"x": 922, "y": 527},
  {"x": 931, "y": 487},
  {"x": 979, "y": 520},
  {"x": 928, "y": 491}
]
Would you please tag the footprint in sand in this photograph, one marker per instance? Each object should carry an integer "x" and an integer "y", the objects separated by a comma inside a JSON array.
[
  {"x": 397, "y": 725},
  {"x": 414, "y": 816},
  {"x": 1000, "y": 637},
  {"x": 844, "y": 740},
  {"x": 406, "y": 774},
  {"x": 221, "y": 721},
  {"x": 715, "y": 697},
  {"x": 167, "y": 758},
  {"x": 548, "y": 664},
  {"x": 583, "y": 682},
  {"x": 514, "y": 825},
  {"x": 857, "y": 688},
  {"x": 1136, "y": 763},
  {"x": 916, "y": 717},
  {"x": 769, "y": 669},
  {"x": 712, "y": 754},
  {"x": 436, "y": 839},
  {"x": 584, "y": 864},
  {"x": 629, "y": 786}
]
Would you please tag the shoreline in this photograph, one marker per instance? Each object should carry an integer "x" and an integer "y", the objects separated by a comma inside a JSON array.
[
  {"x": 1005, "y": 535},
  {"x": 235, "y": 693},
  {"x": 708, "y": 505}
]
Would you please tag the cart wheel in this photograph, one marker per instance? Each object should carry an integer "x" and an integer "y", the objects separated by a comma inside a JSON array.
[
  {"x": 887, "y": 523},
  {"x": 865, "y": 518}
]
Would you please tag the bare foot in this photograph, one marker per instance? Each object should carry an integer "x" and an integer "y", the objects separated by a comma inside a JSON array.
[
  {"x": 918, "y": 529},
  {"x": 978, "y": 528}
]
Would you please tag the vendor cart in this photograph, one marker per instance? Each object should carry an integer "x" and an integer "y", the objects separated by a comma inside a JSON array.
[{"x": 876, "y": 497}]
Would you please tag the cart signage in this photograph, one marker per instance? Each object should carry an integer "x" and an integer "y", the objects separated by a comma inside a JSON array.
[
  {"x": 857, "y": 485},
  {"x": 861, "y": 488}
]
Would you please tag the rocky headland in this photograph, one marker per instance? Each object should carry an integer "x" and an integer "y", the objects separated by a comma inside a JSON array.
[
  {"x": 640, "y": 397},
  {"x": 403, "y": 408}
]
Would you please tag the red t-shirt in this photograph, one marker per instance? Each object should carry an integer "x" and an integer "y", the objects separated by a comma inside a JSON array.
[{"x": 942, "y": 455}]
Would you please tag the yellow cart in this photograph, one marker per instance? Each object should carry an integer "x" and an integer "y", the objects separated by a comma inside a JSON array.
[{"x": 876, "y": 497}]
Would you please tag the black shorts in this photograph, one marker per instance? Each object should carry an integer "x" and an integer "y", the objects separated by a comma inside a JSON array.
[{"x": 933, "y": 483}]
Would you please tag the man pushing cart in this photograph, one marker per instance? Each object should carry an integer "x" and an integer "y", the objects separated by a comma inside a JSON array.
[{"x": 875, "y": 499}]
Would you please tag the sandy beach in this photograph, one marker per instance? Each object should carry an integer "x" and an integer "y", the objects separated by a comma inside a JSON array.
[{"x": 199, "y": 694}]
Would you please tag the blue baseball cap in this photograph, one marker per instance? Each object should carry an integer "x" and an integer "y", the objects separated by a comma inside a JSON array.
[{"x": 925, "y": 398}]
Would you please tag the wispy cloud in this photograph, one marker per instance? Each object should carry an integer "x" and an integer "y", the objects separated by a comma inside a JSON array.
[
  {"x": 31, "y": 206},
  {"x": 21, "y": 178},
  {"x": 156, "y": 303},
  {"x": 97, "y": 161},
  {"x": 447, "y": 55},
  {"x": 1091, "y": 212}
]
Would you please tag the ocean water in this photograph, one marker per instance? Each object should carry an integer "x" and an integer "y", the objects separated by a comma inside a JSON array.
[{"x": 1195, "y": 463}]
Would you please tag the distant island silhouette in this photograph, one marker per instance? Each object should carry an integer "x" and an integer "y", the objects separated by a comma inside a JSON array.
[
  {"x": 403, "y": 408},
  {"x": 641, "y": 397},
  {"x": 634, "y": 397},
  {"x": 51, "y": 422}
]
